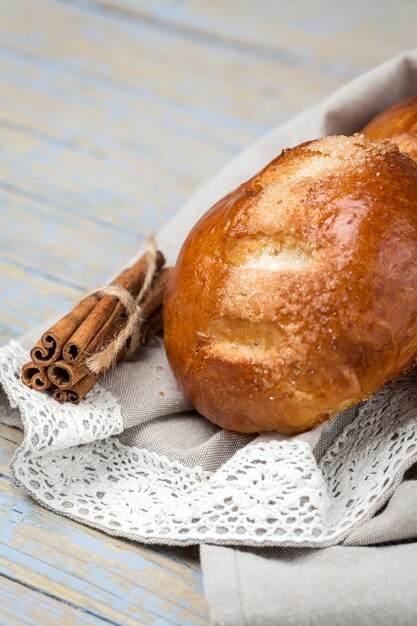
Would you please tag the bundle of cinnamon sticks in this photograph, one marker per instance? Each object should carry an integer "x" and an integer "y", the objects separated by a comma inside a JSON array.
[{"x": 73, "y": 353}]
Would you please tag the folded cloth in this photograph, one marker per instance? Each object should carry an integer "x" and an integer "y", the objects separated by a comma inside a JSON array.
[
  {"x": 338, "y": 586},
  {"x": 134, "y": 459}
]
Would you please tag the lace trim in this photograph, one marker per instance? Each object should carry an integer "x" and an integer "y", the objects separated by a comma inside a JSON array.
[{"x": 269, "y": 493}]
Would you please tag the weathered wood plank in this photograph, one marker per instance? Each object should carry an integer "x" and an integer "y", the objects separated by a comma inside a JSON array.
[
  {"x": 115, "y": 580},
  {"x": 26, "y": 605},
  {"x": 343, "y": 38},
  {"x": 37, "y": 94},
  {"x": 222, "y": 85},
  {"x": 78, "y": 183},
  {"x": 29, "y": 296},
  {"x": 66, "y": 242},
  {"x": 14, "y": 438}
]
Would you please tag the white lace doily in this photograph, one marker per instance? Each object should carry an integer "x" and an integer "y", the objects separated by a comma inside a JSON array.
[{"x": 271, "y": 492}]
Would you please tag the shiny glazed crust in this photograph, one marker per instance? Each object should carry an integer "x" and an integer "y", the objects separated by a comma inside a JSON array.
[
  {"x": 398, "y": 124},
  {"x": 294, "y": 297}
]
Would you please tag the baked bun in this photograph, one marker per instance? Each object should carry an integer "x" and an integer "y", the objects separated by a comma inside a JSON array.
[
  {"x": 294, "y": 297},
  {"x": 398, "y": 124}
]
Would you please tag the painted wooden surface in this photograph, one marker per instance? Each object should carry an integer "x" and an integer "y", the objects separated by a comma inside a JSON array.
[{"x": 111, "y": 113}]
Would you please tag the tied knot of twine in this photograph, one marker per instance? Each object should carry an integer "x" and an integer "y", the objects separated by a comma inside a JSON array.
[{"x": 105, "y": 358}]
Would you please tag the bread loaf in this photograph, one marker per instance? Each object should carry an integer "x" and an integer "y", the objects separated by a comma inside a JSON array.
[
  {"x": 294, "y": 297},
  {"x": 398, "y": 124}
]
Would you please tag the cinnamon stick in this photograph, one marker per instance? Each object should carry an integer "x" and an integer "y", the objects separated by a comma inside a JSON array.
[
  {"x": 64, "y": 375},
  {"x": 110, "y": 328},
  {"x": 35, "y": 377},
  {"x": 86, "y": 339},
  {"x": 49, "y": 347},
  {"x": 80, "y": 389},
  {"x": 156, "y": 293},
  {"x": 156, "y": 322},
  {"x": 60, "y": 395},
  {"x": 152, "y": 326}
]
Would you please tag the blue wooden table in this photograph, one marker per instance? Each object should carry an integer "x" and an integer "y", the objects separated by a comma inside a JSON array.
[{"x": 111, "y": 113}]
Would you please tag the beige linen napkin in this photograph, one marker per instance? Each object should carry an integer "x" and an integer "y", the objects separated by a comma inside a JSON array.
[{"x": 134, "y": 459}]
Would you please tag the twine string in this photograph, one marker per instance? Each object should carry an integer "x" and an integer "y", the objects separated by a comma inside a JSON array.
[{"x": 104, "y": 359}]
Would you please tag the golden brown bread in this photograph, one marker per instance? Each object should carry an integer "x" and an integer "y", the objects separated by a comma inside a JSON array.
[
  {"x": 294, "y": 297},
  {"x": 398, "y": 124}
]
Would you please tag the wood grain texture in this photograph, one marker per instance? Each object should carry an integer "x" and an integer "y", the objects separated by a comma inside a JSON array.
[
  {"x": 341, "y": 38},
  {"x": 111, "y": 113},
  {"x": 48, "y": 612}
]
